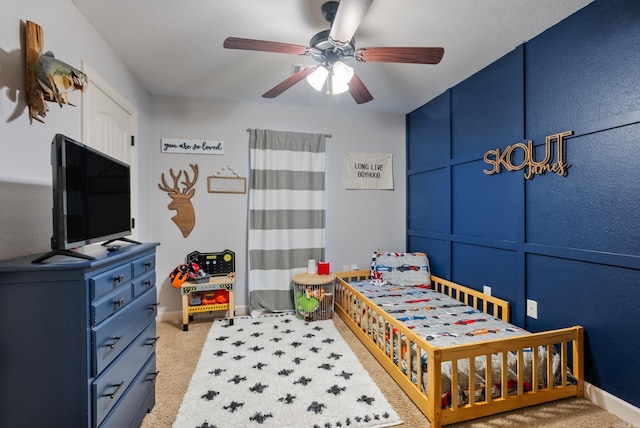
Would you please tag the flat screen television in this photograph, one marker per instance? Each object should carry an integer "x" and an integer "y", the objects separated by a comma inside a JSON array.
[{"x": 91, "y": 197}]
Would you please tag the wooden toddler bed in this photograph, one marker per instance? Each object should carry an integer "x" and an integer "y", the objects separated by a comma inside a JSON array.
[{"x": 450, "y": 383}]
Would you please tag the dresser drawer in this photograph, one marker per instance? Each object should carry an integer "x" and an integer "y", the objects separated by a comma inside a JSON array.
[
  {"x": 139, "y": 398},
  {"x": 110, "y": 304},
  {"x": 116, "y": 380},
  {"x": 108, "y": 281},
  {"x": 144, "y": 264},
  {"x": 112, "y": 336},
  {"x": 141, "y": 284}
]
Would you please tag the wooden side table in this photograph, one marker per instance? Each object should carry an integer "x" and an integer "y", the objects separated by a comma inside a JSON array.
[
  {"x": 213, "y": 284},
  {"x": 313, "y": 296}
]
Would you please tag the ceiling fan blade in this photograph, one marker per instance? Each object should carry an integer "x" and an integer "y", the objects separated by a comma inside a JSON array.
[
  {"x": 288, "y": 82},
  {"x": 358, "y": 91},
  {"x": 401, "y": 55},
  {"x": 264, "y": 46},
  {"x": 347, "y": 20}
]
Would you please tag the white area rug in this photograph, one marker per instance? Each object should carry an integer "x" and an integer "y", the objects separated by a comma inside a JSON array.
[{"x": 279, "y": 371}]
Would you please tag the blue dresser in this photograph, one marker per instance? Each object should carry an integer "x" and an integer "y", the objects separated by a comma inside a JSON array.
[{"x": 77, "y": 339}]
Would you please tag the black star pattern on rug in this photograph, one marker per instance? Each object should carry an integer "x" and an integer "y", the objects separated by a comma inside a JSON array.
[
  {"x": 217, "y": 372},
  {"x": 233, "y": 406},
  {"x": 336, "y": 390},
  {"x": 237, "y": 379},
  {"x": 326, "y": 366},
  {"x": 288, "y": 399},
  {"x": 345, "y": 375},
  {"x": 210, "y": 395},
  {"x": 264, "y": 371},
  {"x": 365, "y": 399},
  {"x": 285, "y": 372},
  {"x": 259, "y": 388},
  {"x": 316, "y": 407},
  {"x": 303, "y": 381},
  {"x": 260, "y": 418}
]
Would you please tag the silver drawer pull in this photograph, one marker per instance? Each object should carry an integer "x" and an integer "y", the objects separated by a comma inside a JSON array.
[
  {"x": 115, "y": 391},
  {"x": 119, "y": 278},
  {"x": 119, "y": 303},
  {"x": 148, "y": 265},
  {"x": 155, "y": 376},
  {"x": 153, "y": 306},
  {"x": 115, "y": 341},
  {"x": 154, "y": 341},
  {"x": 148, "y": 284}
]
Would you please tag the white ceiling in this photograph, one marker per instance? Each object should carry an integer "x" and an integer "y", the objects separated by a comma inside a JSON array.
[{"x": 174, "y": 47}]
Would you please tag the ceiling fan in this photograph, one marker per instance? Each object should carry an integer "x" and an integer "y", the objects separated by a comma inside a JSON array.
[{"x": 329, "y": 48}]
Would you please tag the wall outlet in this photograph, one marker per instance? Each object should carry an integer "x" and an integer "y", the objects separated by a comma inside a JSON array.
[
  {"x": 486, "y": 290},
  {"x": 532, "y": 309}
]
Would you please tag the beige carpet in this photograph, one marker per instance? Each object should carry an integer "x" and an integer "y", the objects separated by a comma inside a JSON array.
[{"x": 178, "y": 353}]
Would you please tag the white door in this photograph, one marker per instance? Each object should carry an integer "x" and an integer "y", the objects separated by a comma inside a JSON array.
[{"x": 110, "y": 124}]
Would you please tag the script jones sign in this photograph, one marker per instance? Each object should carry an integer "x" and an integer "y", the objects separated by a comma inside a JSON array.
[
  {"x": 497, "y": 159},
  {"x": 198, "y": 147}
]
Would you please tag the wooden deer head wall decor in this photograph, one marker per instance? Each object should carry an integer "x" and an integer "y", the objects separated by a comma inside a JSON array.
[{"x": 185, "y": 218}]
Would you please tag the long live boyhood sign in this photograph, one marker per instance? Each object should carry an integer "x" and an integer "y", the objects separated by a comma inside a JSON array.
[{"x": 498, "y": 159}]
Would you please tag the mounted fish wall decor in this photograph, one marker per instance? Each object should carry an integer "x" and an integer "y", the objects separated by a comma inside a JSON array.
[{"x": 48, "y": 78}]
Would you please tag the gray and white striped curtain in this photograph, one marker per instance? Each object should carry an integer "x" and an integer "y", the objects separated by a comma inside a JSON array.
[{"x": 286, "y": 213}]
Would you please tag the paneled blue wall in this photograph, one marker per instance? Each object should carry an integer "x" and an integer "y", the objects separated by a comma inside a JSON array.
[{"x": 572, "y": 243}]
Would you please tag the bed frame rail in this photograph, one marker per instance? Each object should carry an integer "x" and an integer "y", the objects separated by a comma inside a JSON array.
[
  {"x": 478, "y": 300},
  {"x": 403, "y": 354}
]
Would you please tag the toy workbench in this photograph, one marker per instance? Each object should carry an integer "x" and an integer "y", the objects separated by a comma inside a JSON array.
[{"x": 212, "y": 292}]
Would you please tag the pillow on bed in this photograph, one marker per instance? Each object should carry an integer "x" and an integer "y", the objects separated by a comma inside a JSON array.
[{"x": 400, "y": 268}]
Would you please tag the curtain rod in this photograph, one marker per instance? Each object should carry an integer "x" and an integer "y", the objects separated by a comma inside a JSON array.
[{"x": 326, "y": 135}]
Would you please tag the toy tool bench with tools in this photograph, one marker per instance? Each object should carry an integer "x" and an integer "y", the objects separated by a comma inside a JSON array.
[{"x": 208, "y": 285}]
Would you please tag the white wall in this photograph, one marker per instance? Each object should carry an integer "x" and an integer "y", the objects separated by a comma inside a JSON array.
[
  {"x": 358, "y": 221},
  {"x": 25, "y": 170}
]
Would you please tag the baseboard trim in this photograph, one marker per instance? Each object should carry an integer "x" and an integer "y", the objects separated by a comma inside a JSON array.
[
  {"x": 612, "y": 404},
  {"x": 169, "y": 316}
]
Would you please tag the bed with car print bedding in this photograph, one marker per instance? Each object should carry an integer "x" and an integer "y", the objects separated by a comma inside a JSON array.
[{"x": 454, "y": 352}]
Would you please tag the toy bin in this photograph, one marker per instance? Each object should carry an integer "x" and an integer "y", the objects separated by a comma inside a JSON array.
[{"x": 313, "y": 296}]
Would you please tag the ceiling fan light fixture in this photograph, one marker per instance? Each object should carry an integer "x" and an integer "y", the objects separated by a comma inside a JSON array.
[
  {"x": 342, "y": 72},
  {"x": 317, "y": 78},
  {"x": 339, "y": 78}
]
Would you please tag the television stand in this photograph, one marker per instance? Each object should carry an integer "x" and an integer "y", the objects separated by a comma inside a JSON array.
[
  {"x": 131, "y": 241},
  {"x": 68, "y": 253}
]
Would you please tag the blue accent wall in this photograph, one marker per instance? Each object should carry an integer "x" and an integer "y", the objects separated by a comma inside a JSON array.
[{"x": 572, "y": 242}]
